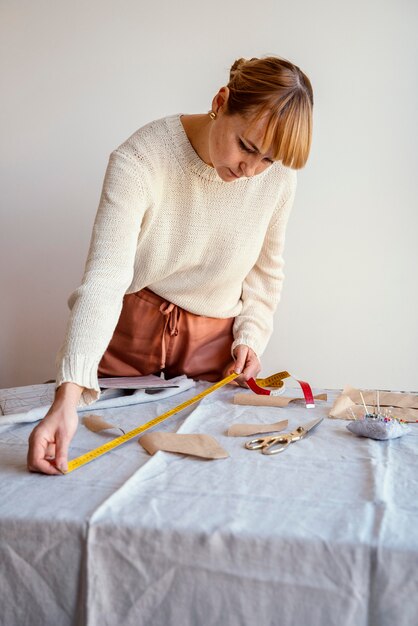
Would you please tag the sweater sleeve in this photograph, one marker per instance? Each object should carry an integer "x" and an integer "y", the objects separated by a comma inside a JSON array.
[
  {"x": 262, "y": 286},
  {"x": 97, "y": 303}
]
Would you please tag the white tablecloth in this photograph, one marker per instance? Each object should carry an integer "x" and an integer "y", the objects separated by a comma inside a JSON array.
[{"x": 325, "y": 533}]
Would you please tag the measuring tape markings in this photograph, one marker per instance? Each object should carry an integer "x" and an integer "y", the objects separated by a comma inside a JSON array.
[
  {"x": 275, "y": 380},
  {"x": 110, "y": 445}
]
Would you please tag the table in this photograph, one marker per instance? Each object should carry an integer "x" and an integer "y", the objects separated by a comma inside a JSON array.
[{"x": 325, "y": 533}]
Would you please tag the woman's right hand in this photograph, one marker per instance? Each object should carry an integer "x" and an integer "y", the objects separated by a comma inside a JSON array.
[{"x": 50, "y": 439}]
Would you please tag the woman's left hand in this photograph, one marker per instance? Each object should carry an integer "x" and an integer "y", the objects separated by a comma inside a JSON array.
[{"x": 246, "y": 363}]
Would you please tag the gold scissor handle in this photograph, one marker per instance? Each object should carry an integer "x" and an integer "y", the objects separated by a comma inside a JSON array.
[
  {"x": 273, "y": 448},
  {"x": 268, "y": 442},
  {"x": 278, "y": 444},
  {"x": 256, "y": 444}
]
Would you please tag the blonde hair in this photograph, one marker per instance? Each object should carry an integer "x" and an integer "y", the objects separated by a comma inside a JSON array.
[{"x": 278, "y": 89}]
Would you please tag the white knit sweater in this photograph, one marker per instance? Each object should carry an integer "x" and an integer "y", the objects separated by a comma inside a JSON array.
[{"x": 167, "y": 221}]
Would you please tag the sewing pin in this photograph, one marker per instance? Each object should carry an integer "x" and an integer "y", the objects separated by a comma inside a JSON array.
[
  {"x": 364, "y": 404},
  {"x": 353, "y": 414}
]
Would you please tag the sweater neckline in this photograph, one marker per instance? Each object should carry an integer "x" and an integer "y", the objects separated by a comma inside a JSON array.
[{"x": 188, "y": 155}]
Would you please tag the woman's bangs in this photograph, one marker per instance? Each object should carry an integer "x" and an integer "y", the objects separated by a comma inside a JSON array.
[{"x": 288, "y": 135}]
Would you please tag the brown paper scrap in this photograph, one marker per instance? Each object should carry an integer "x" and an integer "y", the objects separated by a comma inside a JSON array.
[
  {"x": 403, "y": 405},
  {"x": 386, "y": 398},
  {"x": 252, "y": 399},
  {"x": 245, "y": 430},
  {"x": 203, "y": 446},
  {"x": 96, "y": 423}
]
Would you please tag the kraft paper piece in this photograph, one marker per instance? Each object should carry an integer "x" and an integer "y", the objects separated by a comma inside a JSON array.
[
  {"x": 402, "y": 405},
  {"x": 245, "y": 430},
  {"x": 96, "y": 423},
  {"x": 203, "y": 446},
  {"x": 252, "y": 399}
]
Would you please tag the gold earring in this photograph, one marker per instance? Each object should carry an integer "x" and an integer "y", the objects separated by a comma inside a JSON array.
[{"x": 212, "y": 115}]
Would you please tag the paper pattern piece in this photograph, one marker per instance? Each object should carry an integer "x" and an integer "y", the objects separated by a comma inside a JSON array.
[
  {"x": 245, "y": 430},
  {"x": 251, "y": 399},
  {"x": 21, "y": 399},
  {"x": 136, "y": 382},
  {"x": 405, "y": 405},
  {"x": 386, "y": 398},
  {"x": 110, "y": 399},
  {"x": 96, "y": 423},
  {"x": 203, "y": 446}
]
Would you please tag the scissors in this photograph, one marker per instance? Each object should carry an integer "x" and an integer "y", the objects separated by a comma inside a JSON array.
[{"x": 273, "y": 445}]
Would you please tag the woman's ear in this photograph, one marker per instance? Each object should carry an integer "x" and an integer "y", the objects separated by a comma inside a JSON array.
[{"x": 220, "y": 100}]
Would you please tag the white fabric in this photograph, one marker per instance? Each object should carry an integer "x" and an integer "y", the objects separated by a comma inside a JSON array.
[
  {"x": 167, "y": 221},
  {"x": 323, "y": 534}
]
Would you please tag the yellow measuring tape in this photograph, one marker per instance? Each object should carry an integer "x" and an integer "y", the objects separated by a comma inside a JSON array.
[
  {"x": 94, "y": 454},
  {"x": 275, "y": 380}
]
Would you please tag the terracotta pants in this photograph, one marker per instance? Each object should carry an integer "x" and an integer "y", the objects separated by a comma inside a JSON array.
[{"x": 153, "y": 336}]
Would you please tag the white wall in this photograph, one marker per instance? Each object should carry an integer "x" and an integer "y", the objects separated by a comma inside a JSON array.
[{"x": 77, "y": 78}]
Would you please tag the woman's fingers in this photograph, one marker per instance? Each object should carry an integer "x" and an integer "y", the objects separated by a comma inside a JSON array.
[
  {"x": 252, "y": 366},
  {"x": 246, "y": 363},
  {"x": 228, "y": 371},
  {"x": 50, "y": 440},
  {"x": 61, "y": 458},
  {"x": 50, "y": 452},
  {"x": 240, "y": 354},
  {"x": 38, "y": 456}
]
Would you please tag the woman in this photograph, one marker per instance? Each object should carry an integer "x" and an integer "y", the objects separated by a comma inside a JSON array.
[{"x": 184, "y": 270}]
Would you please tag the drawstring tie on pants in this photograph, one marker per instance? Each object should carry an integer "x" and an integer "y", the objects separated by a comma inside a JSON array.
[{"x": 172, "y": 315}]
